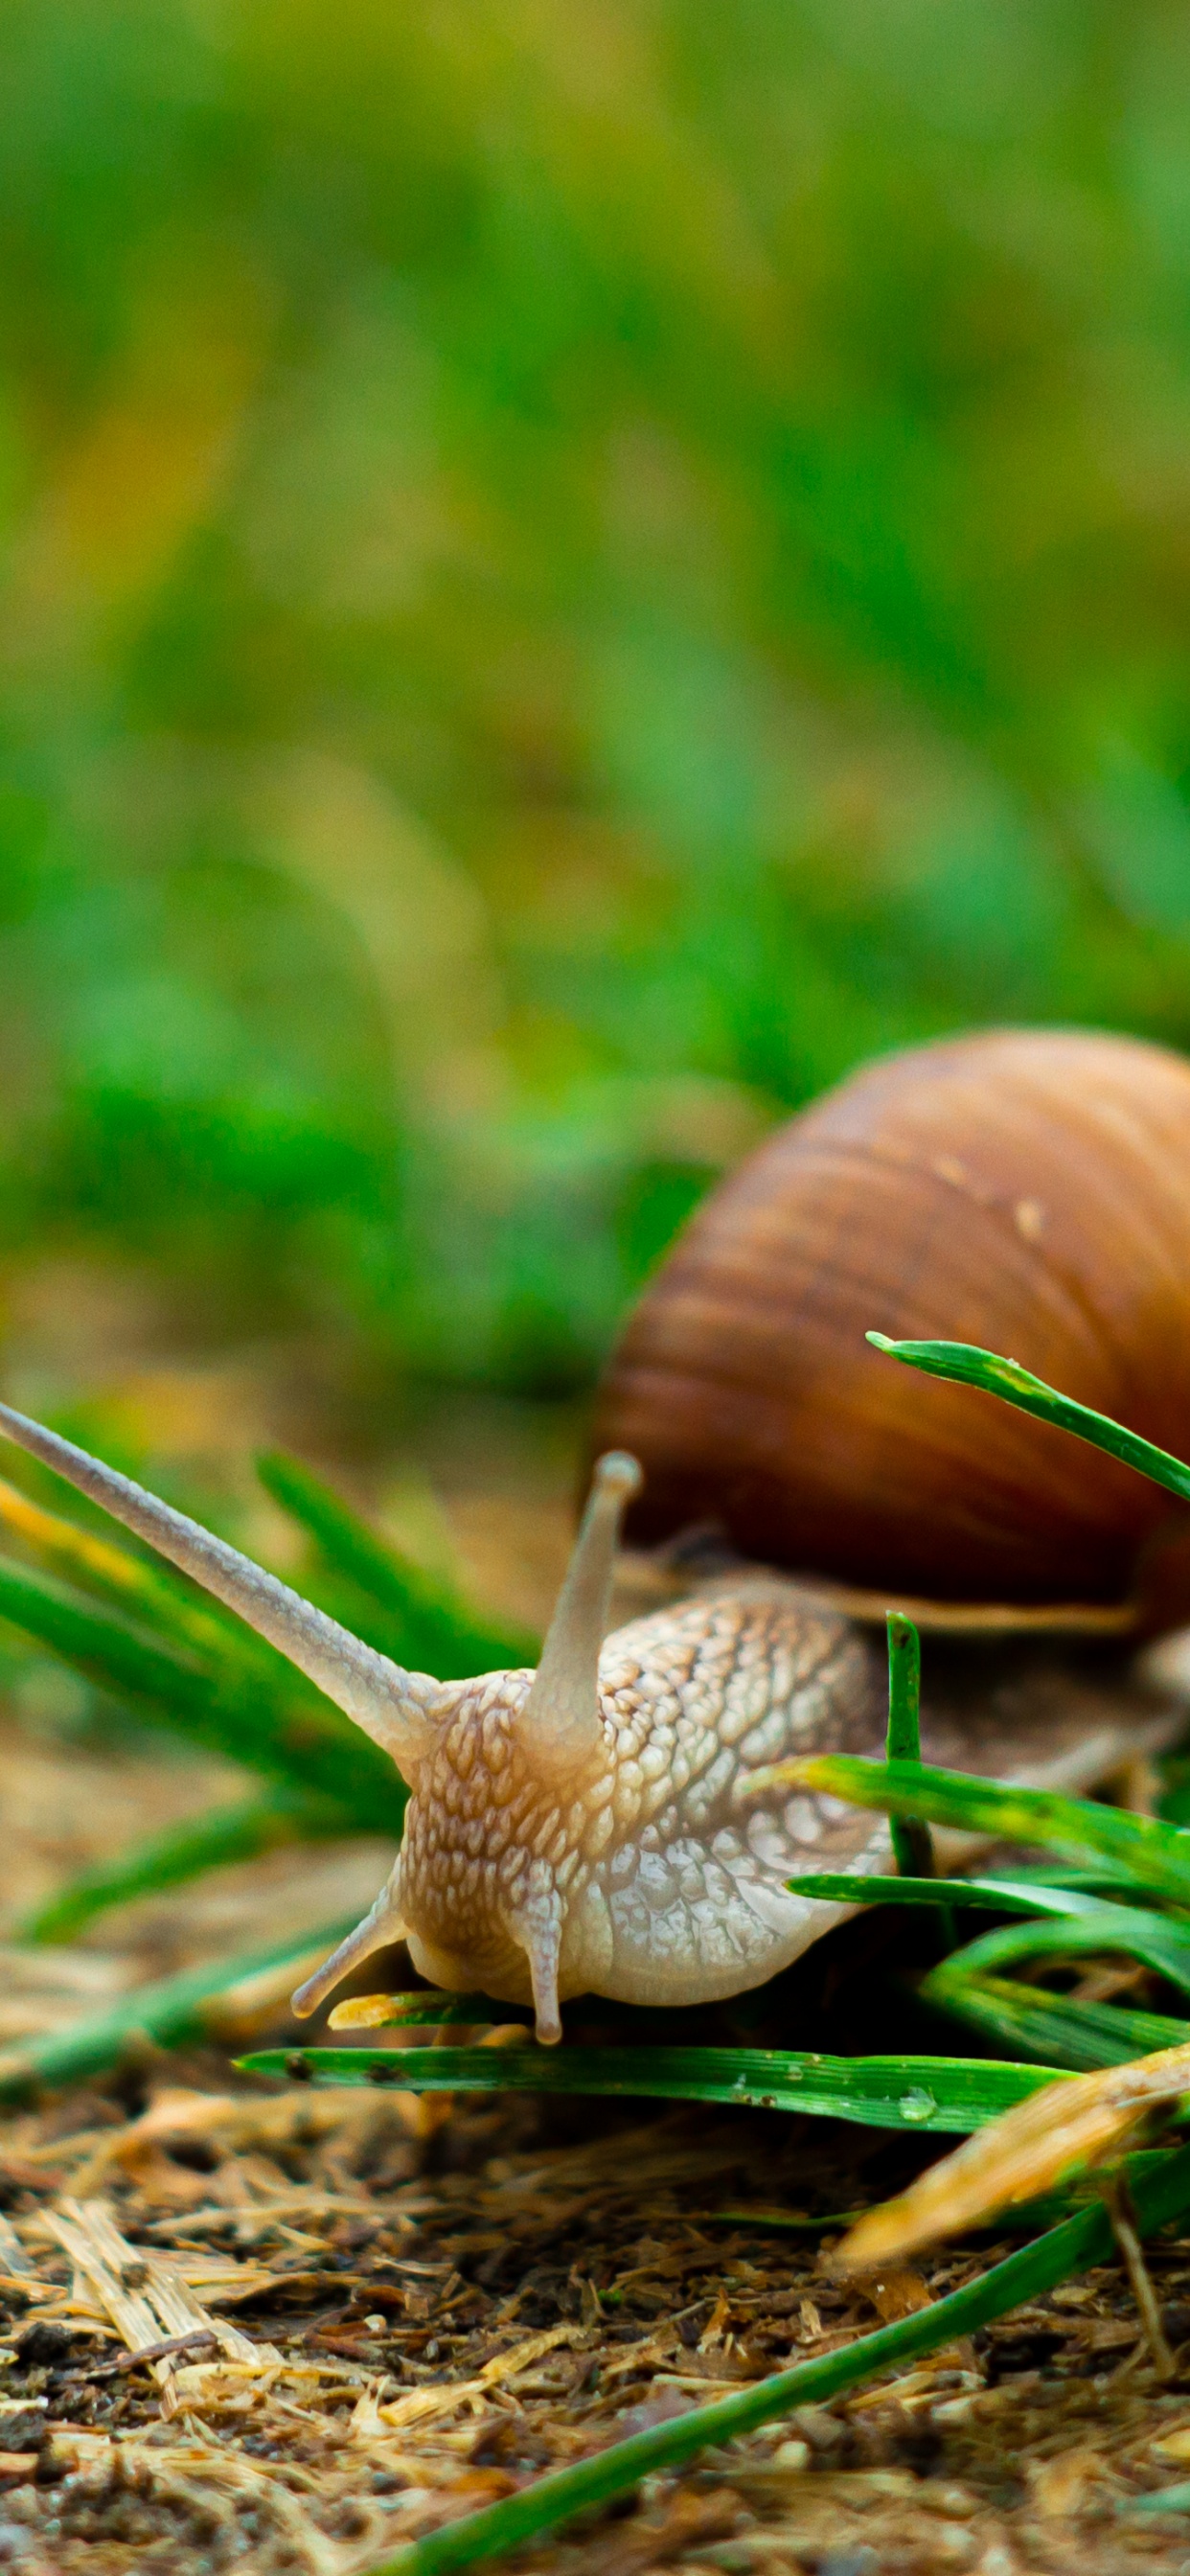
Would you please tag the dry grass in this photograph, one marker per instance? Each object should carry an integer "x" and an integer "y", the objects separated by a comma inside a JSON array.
[{"x": 390, "y": 2311}]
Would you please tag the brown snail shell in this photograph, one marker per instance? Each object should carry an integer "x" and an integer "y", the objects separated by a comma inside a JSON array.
[{"x": 1028, "y": 1191}]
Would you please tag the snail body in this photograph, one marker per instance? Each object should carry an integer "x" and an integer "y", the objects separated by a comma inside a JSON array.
[
  {"x": 593, "y": 1826},
  {"x": 641, "y": 1870}
]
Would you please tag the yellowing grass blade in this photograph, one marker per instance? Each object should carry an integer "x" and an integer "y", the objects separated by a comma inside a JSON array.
[{"x": 1065, "y": 2127}]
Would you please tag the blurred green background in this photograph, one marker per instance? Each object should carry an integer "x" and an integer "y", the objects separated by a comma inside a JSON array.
[{"x": 570, "y": 567}]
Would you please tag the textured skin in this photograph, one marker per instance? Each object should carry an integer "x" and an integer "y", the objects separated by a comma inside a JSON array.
[
  {"x": 648, "y": 1873},
  {"x": 644, "y": 1874}
]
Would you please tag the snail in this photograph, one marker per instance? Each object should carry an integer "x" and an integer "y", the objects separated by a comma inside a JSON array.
[{"x": 590, "y": 1826}]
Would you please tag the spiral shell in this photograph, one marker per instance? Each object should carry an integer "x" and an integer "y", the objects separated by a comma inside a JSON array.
[{"x": 1025, "y": 1190}]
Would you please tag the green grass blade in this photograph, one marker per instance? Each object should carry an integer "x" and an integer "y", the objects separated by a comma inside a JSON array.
[
  {"x": 1108, "y": 1931},
  {"x": 147, "y": 1590},
  {"x": 1160, "y": 2500},
  {"x": 1034, "y": 1899},
  {"x": 171, "y": 2013},
  {"x": 912, "y": 1842},
  {"x": 110, "y": 1568},
  {"x": 423, "y": 1623},
  {"x": 932, "y": 2094},
  {"x": 1156, "y": 1854},
  {"x": 982, "y": 1895},
  {"x": 225, "y": 1834},
  {"x": 300, "y": 1739},
  {"x": 115, "y": 1656},
  {"x": 1059, "y": 2030},
  {"x": 1159, "y": 2197},
  {"x": 965, "y": 1365},
  {"x": 1106, "y": 1879}
]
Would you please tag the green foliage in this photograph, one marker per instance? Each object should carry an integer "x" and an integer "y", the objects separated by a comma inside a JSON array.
[
  {"x": 390, "y": 1601},
  {"x": 196, "y": 2004},
  {"x": 291, "y": 1733},
  {"x": 212, "y": 1841},
  {"x": 913, "y": 1848},
  {"x": 1156, "y": 1854},
  {"x": 558, "y": 590},
  {"x": 1110, "y": 1931},
  {"x": 1059, "y": 2030},
  {"x": 934, "y": 2094},
  {"x": 990, "y": 1895},
  {"x": 1058, "y": 1918},
  {"x": 963, "y": 1364}
]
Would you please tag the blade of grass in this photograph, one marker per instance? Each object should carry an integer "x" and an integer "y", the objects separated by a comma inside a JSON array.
[
  {"x": 225, "y": 1834},
  {"x": 301, "y": 1740},
  {"x": 1058, "y": 1921},
  {"x": 100, "y": 1564},
  {"x": 912, "y": 1842},
  {"x": 1157, "y": 1854},
  {"x": 1024, "y": 2276},
  {"x": 1116, "y": 1930},
  {"x": 1059, "y": 2030},
  {"x": 112, "y": 1569},
  {"x": 1102, "y": 1878},
  {"x": 169, "y": 2013},
  {"x": 964, "y": 1364},
  {"x": 931, "y": 2094},
  {"x": 426, "y": 1624},
  {"x": 1161, "y": 2500},
  {"x": 984, "y": 1895}
]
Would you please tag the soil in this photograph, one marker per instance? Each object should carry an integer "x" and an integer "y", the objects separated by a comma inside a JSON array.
[{"x": 422, "y": 2305}]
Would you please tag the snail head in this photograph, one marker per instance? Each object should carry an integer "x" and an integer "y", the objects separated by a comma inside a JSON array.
[{"x": 512, "y": 1775}]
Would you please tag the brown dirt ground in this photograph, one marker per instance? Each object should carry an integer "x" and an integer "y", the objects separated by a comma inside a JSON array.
[{"x": 422, "y": 2305}]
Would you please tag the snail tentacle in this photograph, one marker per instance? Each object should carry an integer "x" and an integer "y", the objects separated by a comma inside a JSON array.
[
  {"x": 538, "y": 1930},
  {"x": 399, "y": 1710},
  {"x": 380, "y": 1928},
  {"x": 559, "y": 1723}
]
